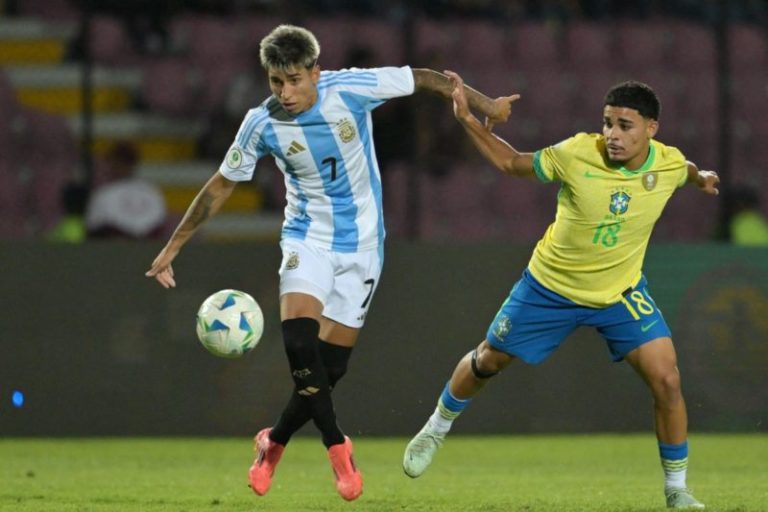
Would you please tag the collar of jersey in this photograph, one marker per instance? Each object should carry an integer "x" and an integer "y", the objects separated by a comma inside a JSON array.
[{"x": 643, "y": 168}]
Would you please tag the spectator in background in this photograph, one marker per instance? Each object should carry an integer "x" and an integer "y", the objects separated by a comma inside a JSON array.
[
  {"x": 126, "y": 206},
  {"x": 71, "y": 228},
  {"x": 747, "y": 225}
]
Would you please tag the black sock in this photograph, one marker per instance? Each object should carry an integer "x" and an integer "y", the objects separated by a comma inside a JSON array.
[
  {"x": 300, "y": 336},
  {"x": 297, "y": 413}
]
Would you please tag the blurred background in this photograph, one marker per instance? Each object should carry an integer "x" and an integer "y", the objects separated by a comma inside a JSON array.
[{"x": 114, "y": 113}]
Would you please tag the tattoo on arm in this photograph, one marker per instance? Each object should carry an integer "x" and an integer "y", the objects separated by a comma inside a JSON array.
[
  {"x": 429, "y": 80},
  {"x": 201, "y": 209}
]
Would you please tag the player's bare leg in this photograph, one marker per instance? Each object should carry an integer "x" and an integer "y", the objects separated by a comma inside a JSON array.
[
  {"x": 469, "y": 377},
  {"x": 656, "y": 362}
]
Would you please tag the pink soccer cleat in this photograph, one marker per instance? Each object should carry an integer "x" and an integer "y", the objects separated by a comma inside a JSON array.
[
  {"x": 269, "y": 453},
  {"x": 349, "y": 481}
]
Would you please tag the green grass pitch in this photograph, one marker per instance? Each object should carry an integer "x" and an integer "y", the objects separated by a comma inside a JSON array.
[{"x": 616, "y": 473}]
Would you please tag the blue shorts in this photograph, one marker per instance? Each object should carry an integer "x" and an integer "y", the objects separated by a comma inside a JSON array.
[{"x": 534, "y": 321}]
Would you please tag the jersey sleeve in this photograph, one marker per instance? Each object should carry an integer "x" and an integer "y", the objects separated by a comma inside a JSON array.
[
  {"x": 683, "y": 171},
  {"x": 369, "y": 88},
  {"x": 247, "y": 148},
  {"x": 550, "y": 163}
]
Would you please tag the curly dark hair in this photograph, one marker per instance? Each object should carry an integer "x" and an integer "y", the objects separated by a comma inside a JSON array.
[{"x": 636, "y": 95}]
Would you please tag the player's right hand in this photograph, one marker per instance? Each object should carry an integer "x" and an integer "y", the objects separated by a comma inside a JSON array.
[
  {"x": 162, "y": 270},
  {"x": 502, "y": 108}
]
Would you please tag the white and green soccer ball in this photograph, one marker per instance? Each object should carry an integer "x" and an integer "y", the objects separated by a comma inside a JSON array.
[{"x": 229, "y": 323}]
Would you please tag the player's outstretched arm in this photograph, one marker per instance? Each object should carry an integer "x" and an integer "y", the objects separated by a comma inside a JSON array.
[
  {"x": 497, "y": 110},
  {"x": 498, "y": 151},
  {"x": 707, "y": 181},
  {"x": 208, "y": 201}
]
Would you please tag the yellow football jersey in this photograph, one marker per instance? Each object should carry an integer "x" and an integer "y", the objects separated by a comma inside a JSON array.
[{"x": 594, "y": 249}]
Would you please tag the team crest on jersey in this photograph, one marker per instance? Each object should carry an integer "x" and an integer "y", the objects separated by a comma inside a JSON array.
[
  {"x": 503, "y": 325},
  {"x": 292, "y": 262},
  {"x": 234, "y": 158},
  {"x": 650, "y": 179},
  {"x": 619, "y": 202},
  {"x": 346, "y": 130}
]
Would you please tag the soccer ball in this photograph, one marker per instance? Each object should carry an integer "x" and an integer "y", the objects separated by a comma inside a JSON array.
[{"x": 229, "y": 323}]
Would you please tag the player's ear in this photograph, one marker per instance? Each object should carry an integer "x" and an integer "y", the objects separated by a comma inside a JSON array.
[
  {"x": 652, "y": 128},
  {"x": 315, "y": 73}
]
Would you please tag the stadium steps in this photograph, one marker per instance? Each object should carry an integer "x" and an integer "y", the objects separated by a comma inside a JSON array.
[
  {"x": 33, "y": 53},
  {"x": 181, "y": 181}
]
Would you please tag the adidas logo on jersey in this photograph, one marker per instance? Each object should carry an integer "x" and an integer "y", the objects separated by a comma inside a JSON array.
[{"x": 295, "y": 148}]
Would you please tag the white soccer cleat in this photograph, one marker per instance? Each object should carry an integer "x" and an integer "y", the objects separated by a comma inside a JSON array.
[
  {"x": 420, "y": 451},
  {"x": 682, "y": 499}
]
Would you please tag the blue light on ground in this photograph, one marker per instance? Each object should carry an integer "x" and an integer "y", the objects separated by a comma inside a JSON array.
[{"x": 17, "y": 398}]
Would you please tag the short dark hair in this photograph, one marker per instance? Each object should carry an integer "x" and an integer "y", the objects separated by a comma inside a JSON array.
[
  {"x": 636, "y": 95},
  {"x": 288, "y": 46}
]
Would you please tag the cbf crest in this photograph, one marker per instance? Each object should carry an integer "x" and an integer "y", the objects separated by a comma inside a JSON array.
[
  {"x": 503, "y": 325},
  {"x": 346, "y": 130},
  {"x": 619, "y": 202}
]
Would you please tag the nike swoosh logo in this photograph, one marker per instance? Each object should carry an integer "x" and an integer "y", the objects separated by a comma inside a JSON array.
[
  {"x": 588, "y": 174},
  {"x": 645, "y": 328}
]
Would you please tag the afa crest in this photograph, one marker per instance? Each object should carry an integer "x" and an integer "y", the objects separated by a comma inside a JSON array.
[
  {"x": 293, "y": 261},
  {"x": 619, "y": 203},
  {"x": 346, "y": 130}
]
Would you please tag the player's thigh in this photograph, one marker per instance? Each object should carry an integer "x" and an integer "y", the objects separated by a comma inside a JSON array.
[
  {"x": 532, "y": 323},
  {"x": 305, "y": 269},
  {"x": 356, "y": 277},
  {"x": 654, "y": 360},
  {"x": 630, "y": 323}
]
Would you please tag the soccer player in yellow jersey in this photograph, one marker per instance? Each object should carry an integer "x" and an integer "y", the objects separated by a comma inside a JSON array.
[{"x": 587, "y": 268}]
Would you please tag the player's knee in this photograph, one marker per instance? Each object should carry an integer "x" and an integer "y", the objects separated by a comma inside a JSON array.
[
  {"x": 335, "y": 359},
  {"x": 666, "y": 386},
  {"x": 487, "y": 362}
]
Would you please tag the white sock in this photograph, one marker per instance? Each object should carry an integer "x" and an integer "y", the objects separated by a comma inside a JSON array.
[
  {"x": 675, "y": 479},
  {"x": 439, "y": 423}
]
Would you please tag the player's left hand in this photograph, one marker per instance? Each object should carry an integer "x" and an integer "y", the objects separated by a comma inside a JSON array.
[
  {"x": 708, "y": 182},
  {"x": 460, "y": 104}
]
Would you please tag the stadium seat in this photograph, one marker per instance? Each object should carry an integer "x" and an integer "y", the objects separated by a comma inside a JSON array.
[
  {"x": 335, "y": 38},
  {"x": 515, "y": 204},
  {"x": 172, "y": 85},
  {"x": 52, "y": 160},
  {"x": 395, "y": 185},
  {"x": 58, "y": 10},
  {"x": 642, "y": 45},
  {"x": 209, "y": 39},
  {"x": 435, "y": 37},
  {"x": 589, "y": 46},
  {"x": 254, "y": 28},
  {"x": 693, "y": 49},
  {"x": 747, "y": 48},
  {"x": 109, "y": 42},
  {"x": 384, "y": 39},
  {"x": 535, "y": 45},
  {"x": 456, "y": 206}
]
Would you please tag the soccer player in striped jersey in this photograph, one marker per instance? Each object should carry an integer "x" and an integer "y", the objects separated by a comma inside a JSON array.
[
  {"x": 586, "y": 269},
  {"x": 317, "y": 126}
]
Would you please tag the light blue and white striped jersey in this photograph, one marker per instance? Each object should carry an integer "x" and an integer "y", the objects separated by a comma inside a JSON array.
[{"x": 332, "y": 180}]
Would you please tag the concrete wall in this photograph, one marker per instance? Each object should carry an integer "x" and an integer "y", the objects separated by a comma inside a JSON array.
[{"x": 98, "y": 349}]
